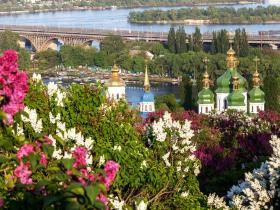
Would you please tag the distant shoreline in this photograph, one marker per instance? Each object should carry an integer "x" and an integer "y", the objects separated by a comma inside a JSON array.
[
  {"x": 200, "y": 22},
  {"x": 122, "y": 7}
]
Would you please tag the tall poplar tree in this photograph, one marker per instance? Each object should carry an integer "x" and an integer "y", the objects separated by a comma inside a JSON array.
[
  {"x": 237, "y": 41},
  {"x": 244, "y": 45},
  {"x": 197, "y": 40},
  {"x": 171, "y": 40}
]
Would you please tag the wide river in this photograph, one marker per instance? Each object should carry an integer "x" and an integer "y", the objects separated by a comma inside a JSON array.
[{"x": 117, "y": 20}]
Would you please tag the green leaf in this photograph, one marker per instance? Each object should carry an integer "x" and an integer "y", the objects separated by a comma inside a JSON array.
[
  {"x": 92, "y": 192},
  {"x": 33, "y": 161},
  {"x": 3, "y": 159},
  {"x": 68, "y": 163},
  {"x": 99, "y": 205},
  {"x": 48, "y": 149}
]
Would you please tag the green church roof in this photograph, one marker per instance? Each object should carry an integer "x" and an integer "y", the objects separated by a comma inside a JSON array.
[
  {"x": 236, "y": 98},
  {"x": 256, "y": 95},
  {"x": 205, "y": 96},
  {"x": 224, "y": 81}
]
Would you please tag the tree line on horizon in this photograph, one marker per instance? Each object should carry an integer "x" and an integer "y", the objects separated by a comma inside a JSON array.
[{"x": 216, "y": 15}]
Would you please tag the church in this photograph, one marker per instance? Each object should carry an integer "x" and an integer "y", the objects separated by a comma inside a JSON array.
[
  {"x": 231, "y": 92},
  {"x": 116, "y": 92}
]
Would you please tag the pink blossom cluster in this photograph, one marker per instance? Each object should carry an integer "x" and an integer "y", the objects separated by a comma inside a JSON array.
[
  {"x": 111, "y": 168},
  {"x": 14, "y": 85},
  {"x": 80, "y": 154},
  {"x": 23, "y": 171}
]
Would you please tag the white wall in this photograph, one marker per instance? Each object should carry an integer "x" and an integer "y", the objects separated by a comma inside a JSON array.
[
  {"x": 116, "y": 93},
  {"x": 147, "y": 107},
  {"x": 256, "y": 107},
  {"x": 205, "y": 108}
]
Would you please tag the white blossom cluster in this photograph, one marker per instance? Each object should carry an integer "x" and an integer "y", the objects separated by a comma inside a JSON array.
[
  {"x": 217, "y": 202},
  {"x": 33, "y": 119},
  {"x": 54, "y": 90},
  {"x": 36, "y": 77},
  {"x": 69, "y": 135},
  {"x": 141, "y": 205},
  {"x": 259, "y": 188},
  {"x": 179, "y": 137},
  {"x": 116, "y": 203}
]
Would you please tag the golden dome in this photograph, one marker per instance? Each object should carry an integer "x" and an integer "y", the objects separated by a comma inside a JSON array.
[
  {"x": 232, "y": 61},
  {"x": 231, "y": 51},
  {"x": 115, "y": 81}
]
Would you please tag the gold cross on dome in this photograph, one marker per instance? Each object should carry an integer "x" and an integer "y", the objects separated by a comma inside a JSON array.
[
  {"x": 206, "y": 61},
  {"x": 257, "y": 60}
]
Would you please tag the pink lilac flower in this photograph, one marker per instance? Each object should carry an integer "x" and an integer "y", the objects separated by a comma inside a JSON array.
[
  {"x": 48, "y": 140},
  {"x": 43, "y": 159},
  {"x": 104, "y": 199},
  {"x": 111, "y": 168},
  {"x": 14, "y": 85},
  {"x": 2, "y": 202},
  {"x": 25, "y": 150},
  {"x": 23, "y": 173},
  {"x": 80, "y": 154}
]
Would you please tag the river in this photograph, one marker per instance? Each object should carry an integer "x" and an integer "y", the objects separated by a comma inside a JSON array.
[{"x": 117, "y": 20}]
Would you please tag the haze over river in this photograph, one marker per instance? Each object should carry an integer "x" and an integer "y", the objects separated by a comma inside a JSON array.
[{"x": 117, "y": 19}]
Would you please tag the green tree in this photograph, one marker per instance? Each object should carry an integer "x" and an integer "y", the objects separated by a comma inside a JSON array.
[
  {"x": 172, "y": 40},
  {"x": 9, "y": 40},
  {"x": 180, "y": 40},
  {"x": 47, "y": 59},
  {"x": 166, "y": 102},
  {"x": 272, "y": 92},
  {"x": 197, "y": 40},
  {"x": 188, "y": 94},
  {"x": 237, "y": 41},
  {"x": 24, "y": 59},
  {"x": 112, "y": 44},
  {"x": 244, "y": 48}
]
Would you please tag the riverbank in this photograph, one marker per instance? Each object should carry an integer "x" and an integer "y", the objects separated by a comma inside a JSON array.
[
  {"x": 99, "y": 8},
  {"x": 201, "y": 22}
]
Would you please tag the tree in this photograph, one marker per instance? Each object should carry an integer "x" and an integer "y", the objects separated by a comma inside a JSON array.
[
  {"x": 9, "y": 40},
  {"x": 244, "y": 48},
  {"x": 180, "y": 40},
  {"x": 48, "y": 59},
  {"x": 214, "y": 43},
  {"x": 112, "y": 44},
  {"x": 272, "y": 92},
  {"x": 171, "y": 40},
  {"x": 237, "y": 41},
  {"x": 188, "y": 94},
  {"x": 197, "y": 40},
  {"x": 24, "y": 59},
  {"x": 166, "y": 102}
]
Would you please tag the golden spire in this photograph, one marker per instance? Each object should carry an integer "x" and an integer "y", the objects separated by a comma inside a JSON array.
[
  {"x": 115, "y": 80},
  {"x": 206, "y": 80},
  {"x": 232, "y": 61},
  {"x": 256, "y": 75},
  {"x": 147, "y": 85},
  {"x": 235, "y": 82}
]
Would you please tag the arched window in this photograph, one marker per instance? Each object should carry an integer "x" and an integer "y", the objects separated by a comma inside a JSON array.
[
  {"x": 225, "y": 102},
  {"x": 252, "y": 109},
  {"x": 146, "y": 108},
  {"x": 206, "y": 109},
  {"x": 258, "y": 108},
  {"x": 150, "y": 108},
  {"x": 118, "y": 96}
]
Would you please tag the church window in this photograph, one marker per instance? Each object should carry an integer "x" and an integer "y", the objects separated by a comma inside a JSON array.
[
  {"x": 206, "y": 109},
  {"x": 150, "y": 108},
  {"x": 146, "y": 108}
]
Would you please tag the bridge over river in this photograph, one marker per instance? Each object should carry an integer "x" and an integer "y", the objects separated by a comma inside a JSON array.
[{"x": 41, "y": 38}]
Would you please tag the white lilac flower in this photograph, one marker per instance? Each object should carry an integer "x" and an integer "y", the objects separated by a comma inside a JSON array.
[
  {"x": 217, "y": 202},
  {"x": 36, "y": 77},
  {"x": 141, "y": 206},
  {"x": 165, "y": 158},
  {"x": 117, "y": 148},
  {"x": 184, "y": 194},
  {"x": 101, "y": 160},
  {"x": 144, "y": 164},
  {"x": 33, "y": 119},
  {"x": 52, "y": 88},
  {"x": 116, "y": 203}
]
